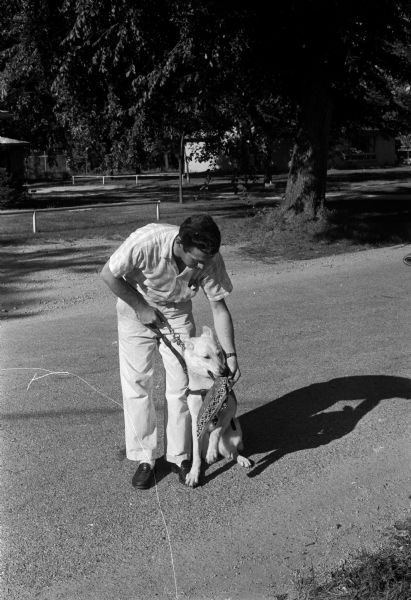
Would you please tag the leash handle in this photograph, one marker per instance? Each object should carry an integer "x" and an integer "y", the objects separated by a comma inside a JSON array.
[{"x": 160, "y": 317}]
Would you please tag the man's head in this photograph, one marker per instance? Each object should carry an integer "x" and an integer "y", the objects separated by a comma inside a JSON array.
[
  {"x": 200, "y": 231},
  {"x": 198, "y": 240}
]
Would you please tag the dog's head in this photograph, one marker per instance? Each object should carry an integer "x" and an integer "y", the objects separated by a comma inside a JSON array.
[{"x": 204, "y": 356}]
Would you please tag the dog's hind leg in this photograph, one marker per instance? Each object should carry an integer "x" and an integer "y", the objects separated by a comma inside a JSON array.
[
  {"x": 232, "y": 454},
  {"x": 243, "y": 461},
  {"x": 231, "y": 442}
]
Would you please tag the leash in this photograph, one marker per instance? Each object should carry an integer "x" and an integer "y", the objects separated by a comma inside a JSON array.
[{"x": 176, "y": 338}]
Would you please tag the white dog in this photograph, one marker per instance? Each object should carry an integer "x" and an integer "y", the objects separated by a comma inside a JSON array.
[{"x": 205, "y": 361}]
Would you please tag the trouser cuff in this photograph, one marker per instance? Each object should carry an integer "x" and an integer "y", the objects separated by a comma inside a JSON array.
[{"x": 177, "y": 460}]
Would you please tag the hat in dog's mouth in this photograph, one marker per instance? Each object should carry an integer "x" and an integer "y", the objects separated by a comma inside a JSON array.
[{"x": 212, "y": 404}]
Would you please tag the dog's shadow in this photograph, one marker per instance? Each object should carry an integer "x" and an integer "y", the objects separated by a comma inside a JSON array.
[{"x": 302, "y": 419}]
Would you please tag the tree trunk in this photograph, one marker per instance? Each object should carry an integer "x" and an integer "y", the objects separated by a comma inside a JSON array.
[
  {"x": 268, "y": 160},
  {"x": 307, "y": 178},
  {"x": 181, "y": 169},
  {"x": 187, "y": 166}
]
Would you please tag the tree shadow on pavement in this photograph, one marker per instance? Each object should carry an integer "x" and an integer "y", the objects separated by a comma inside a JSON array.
[
  {"x": 302, "y": 419},
  {"x": 25, "y": 277},
  {"x": 83, "y": 260}
]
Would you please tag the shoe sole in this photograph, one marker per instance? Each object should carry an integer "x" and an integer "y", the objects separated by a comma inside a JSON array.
[
  {"x": 146, "y": 485},
  {"x": 142, "y": 487}
]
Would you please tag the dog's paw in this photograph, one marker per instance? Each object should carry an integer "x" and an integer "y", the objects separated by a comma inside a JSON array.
[
  {"x": 192, "y": 479},
  {"x": 211, "y": 456},
  {"x": 244, "y": 462}
]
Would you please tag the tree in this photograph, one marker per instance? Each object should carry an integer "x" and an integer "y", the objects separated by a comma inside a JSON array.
[
  {"x": 29, "y": 53},
  {"x": 130, "y": 76},
  {"x": 319, "y": 66},
  {"x": 149, "y": 70},
  {"x": 334, "y": 63}
]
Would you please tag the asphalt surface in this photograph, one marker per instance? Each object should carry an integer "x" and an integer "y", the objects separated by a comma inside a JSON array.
[{"x": 324, "y": 349}]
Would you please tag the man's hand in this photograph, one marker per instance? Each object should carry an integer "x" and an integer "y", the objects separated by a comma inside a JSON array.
[
  {"x": 235, "y": 373},
  {"x": 150, "y": 317}
]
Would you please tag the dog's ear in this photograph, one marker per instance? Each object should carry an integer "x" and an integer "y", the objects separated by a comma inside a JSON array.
[{"x": 208, "y": 332}]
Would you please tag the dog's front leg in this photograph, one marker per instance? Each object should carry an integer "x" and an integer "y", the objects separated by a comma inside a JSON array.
[
  {"x": 193, "y": 477},
  {"x": 212, "y": 450}
]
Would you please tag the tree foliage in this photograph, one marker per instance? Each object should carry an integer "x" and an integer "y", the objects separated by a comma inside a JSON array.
[
  {"x": 129, "y": 79},
  {"x": 150, "y": 69},
  {"x": 29, "y": 56},
  {"x": 335, "y": 63}
]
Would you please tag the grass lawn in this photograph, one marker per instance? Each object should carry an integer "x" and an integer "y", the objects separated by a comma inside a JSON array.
[{"x": 365, "y": 209}]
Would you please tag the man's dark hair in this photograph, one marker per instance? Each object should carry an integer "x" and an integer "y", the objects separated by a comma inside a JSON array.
[{"x": 202, "y": 232}]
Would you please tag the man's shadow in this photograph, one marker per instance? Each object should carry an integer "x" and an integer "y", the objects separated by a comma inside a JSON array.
[{"x": 297, "y": 421}]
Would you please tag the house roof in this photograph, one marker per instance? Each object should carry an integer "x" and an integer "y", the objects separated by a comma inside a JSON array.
[{"x": 4, "y": 141}]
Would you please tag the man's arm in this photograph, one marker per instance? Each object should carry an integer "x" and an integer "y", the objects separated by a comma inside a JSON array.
[
  {"x": 145, "y": 313},
  {"x": 224, "y": 327}
]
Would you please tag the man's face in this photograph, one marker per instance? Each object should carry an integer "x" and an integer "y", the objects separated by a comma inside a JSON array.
[{"x": 194, "y": 258}]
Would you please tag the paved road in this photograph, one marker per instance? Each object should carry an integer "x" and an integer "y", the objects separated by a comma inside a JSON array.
[{"x": 324, "y": 399}]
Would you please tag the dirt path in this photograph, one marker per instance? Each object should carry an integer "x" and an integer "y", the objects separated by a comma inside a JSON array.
[
  {"x": 56, "y": 275},
  {"x": 324, "y": 403}
]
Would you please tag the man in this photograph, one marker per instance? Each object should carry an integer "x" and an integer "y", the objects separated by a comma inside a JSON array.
[{"x": 155, "y": 273}]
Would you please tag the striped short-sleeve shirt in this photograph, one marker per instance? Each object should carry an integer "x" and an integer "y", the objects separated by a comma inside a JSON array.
[{"x": 145, "y": 260}]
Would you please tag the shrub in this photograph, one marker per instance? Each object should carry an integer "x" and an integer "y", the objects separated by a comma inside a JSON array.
[
  {"x": 383, "y": 575},
  {"x": 12, "y": 192}
]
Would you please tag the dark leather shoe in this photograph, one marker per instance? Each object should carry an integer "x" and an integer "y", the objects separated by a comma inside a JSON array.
[
  {"x": 143, "y": 477},
  {"x": 182, "y": 470}
]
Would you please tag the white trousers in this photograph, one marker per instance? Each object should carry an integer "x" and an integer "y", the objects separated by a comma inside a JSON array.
[{"x": 137, "y": 347}]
